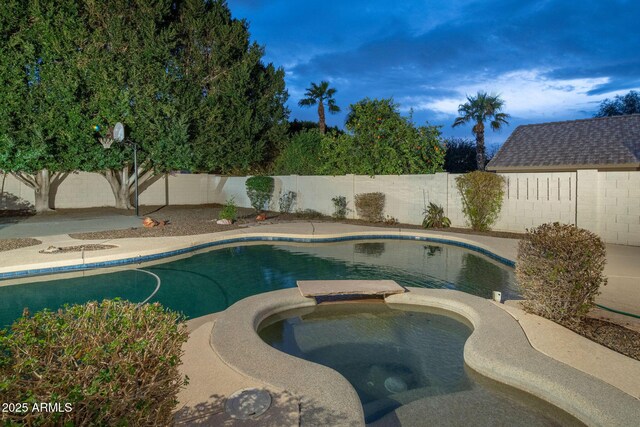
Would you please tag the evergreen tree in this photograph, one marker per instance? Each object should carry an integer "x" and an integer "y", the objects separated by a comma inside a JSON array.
[
  {"x": 620, "y": 105},
  {"x": 41, "y": 122},
  {"x": 235, "y": 102},
  {"x": 127, "y": 80}
]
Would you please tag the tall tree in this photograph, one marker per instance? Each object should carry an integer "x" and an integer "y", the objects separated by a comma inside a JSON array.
[
  {"x": 42, "y": 132},
  {"x": 318, "y": 94},
  {"x": 126, "y": 60},
  {"x": 478, "y": 110},
  {"x": 235, "y": 101},
  {"x": 620, "y": 105}
]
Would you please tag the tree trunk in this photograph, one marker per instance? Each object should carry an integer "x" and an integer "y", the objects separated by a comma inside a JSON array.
[
  {"x": 118, "y": 179},
  {"x": 321, "y": 120},
  {"x": 43, "y": 183},
  {"x": 479, "y": 130}
]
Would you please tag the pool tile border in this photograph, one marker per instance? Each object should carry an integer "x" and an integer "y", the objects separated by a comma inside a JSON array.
[{"x": 168, "y": 254}]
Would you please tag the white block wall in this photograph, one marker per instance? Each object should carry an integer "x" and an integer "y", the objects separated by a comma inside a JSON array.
[{"x": 607, "y": 203}]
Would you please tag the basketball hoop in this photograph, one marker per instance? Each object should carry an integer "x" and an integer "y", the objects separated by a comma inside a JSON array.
[{"x": 106, "y": 142}]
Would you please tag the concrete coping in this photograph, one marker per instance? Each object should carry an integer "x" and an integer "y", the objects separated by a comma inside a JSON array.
[
  {"x": 497, "y": 348},
  {"x": 317, "y": 288}
]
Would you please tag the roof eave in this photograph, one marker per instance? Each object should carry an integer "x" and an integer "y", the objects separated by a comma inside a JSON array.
[{"x": 565, "y": 168}]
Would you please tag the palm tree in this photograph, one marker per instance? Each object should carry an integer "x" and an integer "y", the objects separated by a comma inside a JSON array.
[
  {"x": 318, "y": 94},
  {"x": 479, "y": 109}
]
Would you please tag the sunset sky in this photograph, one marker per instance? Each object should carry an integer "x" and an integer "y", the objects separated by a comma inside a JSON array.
[{"x": 549, "y": 60}]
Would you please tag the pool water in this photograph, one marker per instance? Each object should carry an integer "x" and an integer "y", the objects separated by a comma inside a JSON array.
[
  {"x": 211, "y": 281},
  {"x": 403, "y": 360}
]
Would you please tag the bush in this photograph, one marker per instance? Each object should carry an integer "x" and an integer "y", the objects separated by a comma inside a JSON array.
[
  {"x": 482, "y": 194},
  {"x": 301, "y": 154},
  {"x": 260, "y": 191},
  {"x": 287, "y": 200},
  {"x": 229, "y": 211},
  {"x": 380, "y": 141},
  {"x": 434, "y": 217},
  {"x": 114, "y": 363},
  {"x": 560, "y": 270},
  {"x": 340, "y": 208},
  {"x": 370, "y": 206}
]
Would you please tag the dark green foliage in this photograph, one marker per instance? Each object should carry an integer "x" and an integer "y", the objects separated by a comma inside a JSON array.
[
  {"x": 560, "y": 269},
  {"x": 370, "y": 206},
  {"x": 620, "y": 105},
  {"x": 434, "y": 217},
  {"x": 460, "y": 156},
  {"x": 229, "y": 211},
  {"x": 301, "y": 155},
  {"x": 340, "y": 207},
  {"x": 296, "y": 126},
  {"x": 115, "y": 362},
  {"x": 482, "y": 194},
  {"x": 235, "y": 102},
  {"x": 382, "y": 142},
  {"x": 183, "y": 77},
  {"x": 478, "y": 110},
  {"x": 259, "y": 191},
  {"x": 287, "y": 201},
  {"x": 42, "y": 124}
]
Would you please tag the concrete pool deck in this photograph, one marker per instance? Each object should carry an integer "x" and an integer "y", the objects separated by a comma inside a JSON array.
[{"x": 212, "y": 380}]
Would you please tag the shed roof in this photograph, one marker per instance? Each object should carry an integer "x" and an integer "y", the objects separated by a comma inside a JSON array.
[{"x": 599, "y": 143}]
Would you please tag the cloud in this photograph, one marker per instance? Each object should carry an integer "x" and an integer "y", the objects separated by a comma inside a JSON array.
[{"x": 552, "y": 59}]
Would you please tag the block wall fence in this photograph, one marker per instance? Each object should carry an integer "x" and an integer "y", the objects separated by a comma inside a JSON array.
[{"x": 607, "y": 203}]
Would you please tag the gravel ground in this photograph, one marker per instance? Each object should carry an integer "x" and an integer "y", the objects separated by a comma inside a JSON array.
[
  {"x": 9, "y": 244},
  {"x": 616, "y": 337},
  {"x": 183, "y": 221}
]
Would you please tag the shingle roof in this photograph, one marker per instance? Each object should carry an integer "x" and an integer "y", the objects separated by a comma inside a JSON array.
[{"x": 605, "y": 142}]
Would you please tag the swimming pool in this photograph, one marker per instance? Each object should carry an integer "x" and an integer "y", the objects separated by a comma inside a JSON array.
[{"x": 211, "y": 281}]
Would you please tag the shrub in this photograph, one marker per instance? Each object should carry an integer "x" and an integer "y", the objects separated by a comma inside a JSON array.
[
  {"x": 229, "y": 211},
  {"x": 287, "y": 200},
  {"x": 115, "y": 363},
  {"x": 260, "y": 191},
  {"x": 482, "y": 194},
  {"x": 434, "y": 217},
  {"x": 370, "y": 206},
  {"x": 560, "y": 270},
  {"x": 381, "y": 141},
  {"x": 300, "y": 155},
  {"x": 340, "y": 208}
]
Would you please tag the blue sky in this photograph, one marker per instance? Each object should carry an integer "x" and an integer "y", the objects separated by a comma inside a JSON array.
[{"x": 549, "y": 60}]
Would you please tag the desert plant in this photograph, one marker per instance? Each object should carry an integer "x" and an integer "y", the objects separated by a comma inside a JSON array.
[
  {"x": 370, "y": 206},
  {"x": 287, "y": 200},
  {"x": 391, "y": 220},
  {"x": 434, "y": 217},
  {"x": 108, "y": 363},
  {"x": 260, "y": 191},
  {"x": 560, "y": 270},
  {"x": 229, "y": 211},
  {"x": 481, "y": 194},
  {"x": 340, "y": 208}
]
